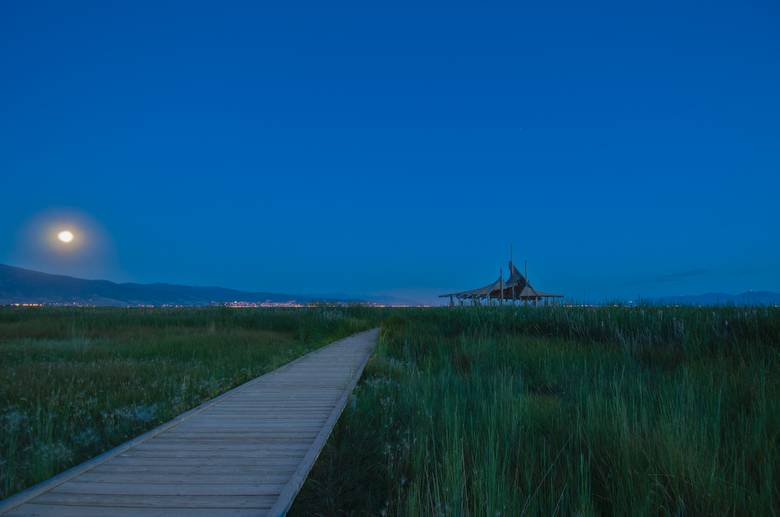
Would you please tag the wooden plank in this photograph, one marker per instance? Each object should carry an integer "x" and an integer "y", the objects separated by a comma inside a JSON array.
[
  {"x": 194, "y": 470},
  {"x": 194, "y": 462},
  {"x": 245, "y": 452},
  {"x": 261, "y": 434},
  {"x": 257, "y": 457},
  {"x": 258, "y": 452},
  {"x": 227, "y": 447},
  {"x": 208, "y": 427},
  {"x": 157, "y": 501},
  {"x": 273, "y": 476},
  {"x": 171, "y": 489},
  {"x": 45, "y": 510}
]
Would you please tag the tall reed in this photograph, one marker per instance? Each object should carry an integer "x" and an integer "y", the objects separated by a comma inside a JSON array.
[{"x": 547, "y": 411}]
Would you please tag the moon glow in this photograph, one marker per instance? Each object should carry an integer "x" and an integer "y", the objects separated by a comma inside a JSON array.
[{"x": 65, "y": 236}]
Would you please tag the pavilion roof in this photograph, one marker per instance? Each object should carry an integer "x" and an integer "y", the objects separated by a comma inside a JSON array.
[
  {"x": 516, "y": 278},
  {"x": 478, "y": 292},
  {"x": 530, "y": 292},
  {"x": 517, "y": 281}
]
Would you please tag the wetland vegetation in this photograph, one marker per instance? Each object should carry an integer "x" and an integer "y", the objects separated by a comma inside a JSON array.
[
  {"x": 463, "y": 411},
  {"x": 75, "y": 382},
  {"x": 561, "y": 411}
]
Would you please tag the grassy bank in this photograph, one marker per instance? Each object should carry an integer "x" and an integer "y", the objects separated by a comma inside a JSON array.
[
  {"x": 76, "y": 382},
  {"x": 505, "y": 411}
]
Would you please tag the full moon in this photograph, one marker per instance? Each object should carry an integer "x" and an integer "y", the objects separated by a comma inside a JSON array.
[{"x": 65, "y": 236}]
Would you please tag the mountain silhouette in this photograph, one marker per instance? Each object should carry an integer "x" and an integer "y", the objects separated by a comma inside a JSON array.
[{"x": 18, "y": 285}]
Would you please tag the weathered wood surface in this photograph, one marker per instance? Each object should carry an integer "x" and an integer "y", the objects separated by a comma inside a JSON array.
[{"x": 246, "y": 452}]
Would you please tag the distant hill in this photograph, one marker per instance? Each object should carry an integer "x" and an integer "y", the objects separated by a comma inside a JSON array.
[
  {"x": 19, "y": 285},
  {"x": 746, "y": 298}
]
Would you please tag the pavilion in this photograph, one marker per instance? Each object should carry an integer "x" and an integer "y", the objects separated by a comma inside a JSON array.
[{"x": 516, "y": 288}]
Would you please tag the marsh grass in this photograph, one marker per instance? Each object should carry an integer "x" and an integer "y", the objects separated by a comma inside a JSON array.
[
  {"x": 75, "y": 382},
  {"x": 507, "y": 411}
]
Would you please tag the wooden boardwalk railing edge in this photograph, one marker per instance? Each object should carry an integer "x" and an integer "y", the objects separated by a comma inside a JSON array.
[{"x": 290, "y": 491}]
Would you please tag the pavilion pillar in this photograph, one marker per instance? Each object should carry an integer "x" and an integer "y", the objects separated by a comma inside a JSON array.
[{"x": 501, "y": 285}]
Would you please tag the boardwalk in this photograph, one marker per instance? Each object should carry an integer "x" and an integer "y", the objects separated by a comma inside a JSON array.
[{"x": 246, "y": 452}]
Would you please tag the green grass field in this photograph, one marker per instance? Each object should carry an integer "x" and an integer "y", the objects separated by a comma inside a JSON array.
[
  {"x": 511, "y": 411},
  {"x": 76, "y": 382}
]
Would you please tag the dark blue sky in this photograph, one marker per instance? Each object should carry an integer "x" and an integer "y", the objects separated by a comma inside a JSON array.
[{"x": 622, "y": 149}]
